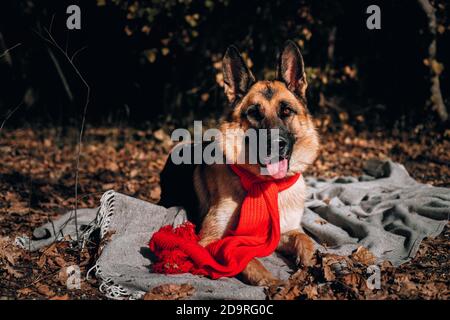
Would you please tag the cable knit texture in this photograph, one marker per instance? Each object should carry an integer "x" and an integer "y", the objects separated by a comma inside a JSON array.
[{"x": 257, "y": 234}]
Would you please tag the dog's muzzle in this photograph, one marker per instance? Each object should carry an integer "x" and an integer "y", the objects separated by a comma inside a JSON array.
[{"x": 278, "y": 146}]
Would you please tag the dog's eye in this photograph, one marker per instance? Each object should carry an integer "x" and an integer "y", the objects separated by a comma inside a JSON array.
[
  {"x": 253, "y": 112},
  {"x": 285, "y": 110}
]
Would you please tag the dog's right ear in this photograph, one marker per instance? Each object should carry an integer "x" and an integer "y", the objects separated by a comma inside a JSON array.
[
  {"x": 237, "y": 77},
  {"x": 291, "y": 69}
]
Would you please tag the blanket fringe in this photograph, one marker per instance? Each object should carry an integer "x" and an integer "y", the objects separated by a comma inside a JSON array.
[
  {"x": 111, "y": 290},
  {"x": 102, "y": 222}
]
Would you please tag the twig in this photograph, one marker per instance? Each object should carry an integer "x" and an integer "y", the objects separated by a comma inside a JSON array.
[
  {"x": 77, "y": 52},
  {"x": 8, "y": 50},
  {"x": 53, "y": 42},
  {"x": 9, "y": 114},
  {"x": 30, "y": 193},
  {"x": 61, "y": 74}
]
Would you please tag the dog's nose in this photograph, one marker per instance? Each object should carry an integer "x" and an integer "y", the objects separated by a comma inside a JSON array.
[{"x": 283, "y": 147}]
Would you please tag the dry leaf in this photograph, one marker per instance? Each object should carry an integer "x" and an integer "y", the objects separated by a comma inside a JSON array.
[
  {"x": 328, "y": 274},
  {"x": 25, "y": 291},
  {"x": 155, "y": 193},
  {"x": 160, "y": 135},
  {"x": 332, "y": 264},
  {"x": 62, "y": 276},
  {"x": 9, "y": 251},
  {"x": 42, "y": 260},
  {"x": 63, "y": 297},
  {"x": 45, "y": 290},
  {"x": 311, "y": 291},
  {"x": 170, "y": 292},
  {"x": 353, "y": 280},
  {"x": 14, "y": 272},
  {"x": 60, "y": 261},
  {"x": 364, "y": 256}
]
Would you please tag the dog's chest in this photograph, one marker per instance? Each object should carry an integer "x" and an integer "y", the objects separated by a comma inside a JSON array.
[{"x": 291, "y": 206}]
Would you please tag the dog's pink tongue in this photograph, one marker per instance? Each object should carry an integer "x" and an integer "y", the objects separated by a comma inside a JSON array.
[{"x": 278, "y": 170}]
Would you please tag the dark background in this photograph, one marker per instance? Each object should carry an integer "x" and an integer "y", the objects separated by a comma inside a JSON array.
[{"x": 150, "y": 60}]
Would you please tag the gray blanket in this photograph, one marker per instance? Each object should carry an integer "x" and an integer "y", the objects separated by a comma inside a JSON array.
[{"x": 384, "y": 210}]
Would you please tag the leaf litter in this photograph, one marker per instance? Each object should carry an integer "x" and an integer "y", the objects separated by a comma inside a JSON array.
[{"x": 37, "y": 175}]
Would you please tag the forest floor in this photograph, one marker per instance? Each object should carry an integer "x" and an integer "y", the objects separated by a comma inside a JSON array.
[{"x": 37, "y": 177}]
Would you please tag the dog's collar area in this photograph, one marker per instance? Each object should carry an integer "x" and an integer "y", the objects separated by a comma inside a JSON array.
[{"x": 248, "y": 179}]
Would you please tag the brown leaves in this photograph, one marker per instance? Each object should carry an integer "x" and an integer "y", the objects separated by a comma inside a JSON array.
[
  {"x": 63, "y": 276},
  {"x": 332, "y": 277},
  {"x": 8, "y": 251},
  {"x": 24, "y": 291},
  {"x": 170, "y": 292},
  {"x": 333, "y": 265},
  {"x": 129, "y": 161},
  {"x": 13, "y": 272},
  {"x": 10, "y": 255},
  {"x": 364, "y": 256},
  {"x": 337, "y": 277},
  {"x": 63, "y": 297},
  {"x": 52, "y": 257},
  {"x": 45, "y": 290}
]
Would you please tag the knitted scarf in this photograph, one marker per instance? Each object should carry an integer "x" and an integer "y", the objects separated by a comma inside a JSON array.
[{"x": 257, "y": 234}]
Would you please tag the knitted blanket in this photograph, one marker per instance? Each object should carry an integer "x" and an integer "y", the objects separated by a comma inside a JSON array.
[{"x": 384, "y": 210}]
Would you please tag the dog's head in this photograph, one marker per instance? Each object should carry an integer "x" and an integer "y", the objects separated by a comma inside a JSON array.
[{"x": 278, "y": 104}]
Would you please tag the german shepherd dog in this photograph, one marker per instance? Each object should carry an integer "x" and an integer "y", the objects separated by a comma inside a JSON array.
[{"x": 215, "y": 194}]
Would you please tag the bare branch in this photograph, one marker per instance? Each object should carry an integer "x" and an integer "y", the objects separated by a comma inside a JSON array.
[
  {"x": 54, "y": 43},
  {"x": 7, "y": 51},
  {"x": 9, "y": 114},
  {"x": 61, "y": 74}
]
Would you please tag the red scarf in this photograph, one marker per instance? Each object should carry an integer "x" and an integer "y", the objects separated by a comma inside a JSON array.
[{"x": 256, "y": 235}]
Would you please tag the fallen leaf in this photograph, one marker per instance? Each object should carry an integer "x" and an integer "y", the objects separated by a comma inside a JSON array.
[
  {"x": 63, "y": 297},
  {"x": 62, "y": 276},
  {"x": 333, "y": 264},
  {"x": 170, "y": 292},
  {"x": 42, "y": 260},
  {"x": 60, "y": 261},
  {"x": 45, "y": 290},
  {"x": 16, "y": 274},
  {"x": 160, "y": 135},
  {"x": 9, "y": 251},
  {"x": 311, "y": 291},
  {"x": 25, "y": 291},
  {"x": 364, "y": 256}
]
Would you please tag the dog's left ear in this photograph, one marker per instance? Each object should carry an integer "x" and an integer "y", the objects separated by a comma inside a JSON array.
[
  {"x": 291, "y": 69},
  {"x": 237, "y": 77}
]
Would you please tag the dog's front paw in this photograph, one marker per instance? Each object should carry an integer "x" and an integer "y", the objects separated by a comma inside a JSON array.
[{"x": 304, "y": 248}]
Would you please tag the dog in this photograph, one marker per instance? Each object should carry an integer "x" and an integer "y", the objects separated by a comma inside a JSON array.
[{"x": 215, "y": 195}]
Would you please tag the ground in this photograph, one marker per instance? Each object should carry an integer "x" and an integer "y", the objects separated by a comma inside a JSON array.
[{"x": 37, "y": 178}]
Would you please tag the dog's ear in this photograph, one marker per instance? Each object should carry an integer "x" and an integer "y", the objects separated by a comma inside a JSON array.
[
  {"x": 291, "y": 69},
  {"x": 237, "y": 77}
]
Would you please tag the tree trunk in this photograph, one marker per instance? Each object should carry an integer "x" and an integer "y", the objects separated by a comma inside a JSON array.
[{"x": 436, "y": 100}]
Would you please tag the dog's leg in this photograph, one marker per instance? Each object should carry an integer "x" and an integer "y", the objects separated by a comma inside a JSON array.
[
  {"x": 256, "y": 274},
  {"x": 299, "y": 245},
  {"x": 210, "y": 230}
]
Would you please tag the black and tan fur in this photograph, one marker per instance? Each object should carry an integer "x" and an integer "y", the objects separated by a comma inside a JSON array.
[{"x": 277, "y": 104}]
